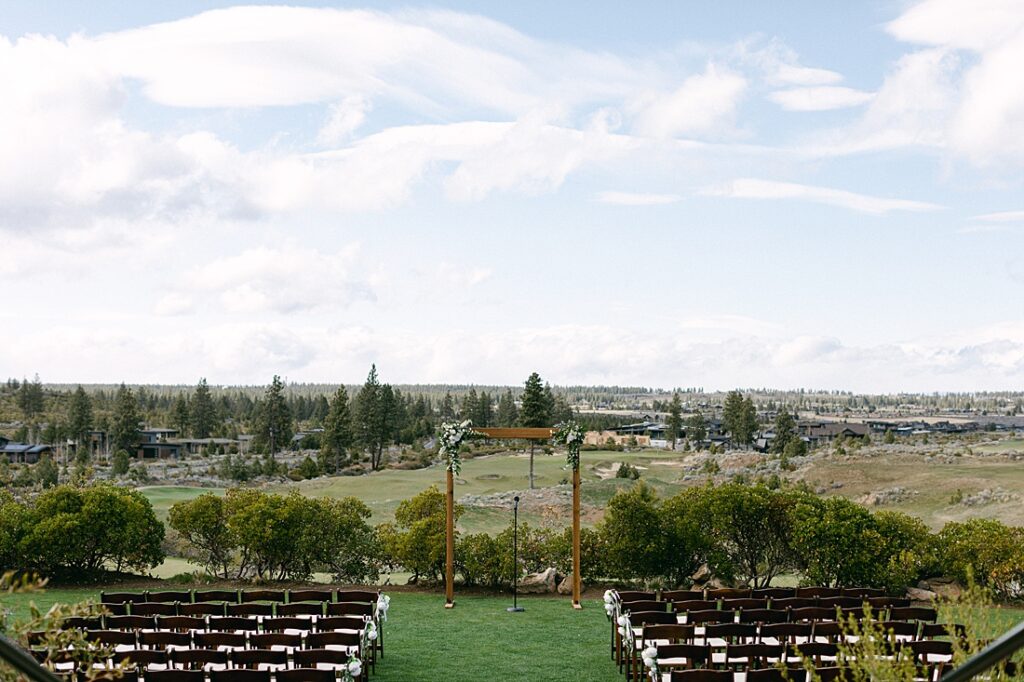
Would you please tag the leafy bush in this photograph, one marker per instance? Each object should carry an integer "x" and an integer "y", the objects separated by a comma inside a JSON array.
[
  {"x": 74, "y": 533},
  {"x": 416, "y": 540},
  {"x": 627, "y": 471},
  {"x": 632, "y": 531},
  {"x": 986, "y": 551},
  {"x": 119, "y": 466},
  {"x": 836, "y": 541}
]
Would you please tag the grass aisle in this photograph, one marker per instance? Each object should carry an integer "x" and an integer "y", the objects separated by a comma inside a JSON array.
[{"x": 476, "y": 640}]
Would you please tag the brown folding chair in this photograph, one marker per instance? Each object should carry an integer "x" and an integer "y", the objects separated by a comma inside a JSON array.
[
  {"x": 932, "y": 630},
  {"x": 233, "y": 624},
  {"x": 351, "y": 608},
  {"x": 275, "y": 640},
  {"x": 230, "y": 596},
  {"x": 921, "y": 613},
  {"x": 688, "y": 656},
  {"x": 197, "y": 659},
  {"x": 732, "y": 633},
  {"x": 812, "y": 613},
  {"x": 741, "y": 657},
  {"x": 220, "y": 640},
  {"x": 250, "y": 609},
  {"x": 239, "y": 675},
  {"x": 205, "y": 608},
  {"x": 701, "y": 675},
  {"x": 169, "y": 596},
  {"x": 668, "y": 633},
  {"x": 313, "y": 658},
  {"x": 254, "y": 658},
  {"x": 693, "y": 605},
  {"x": 763, "y": 616},
  {"x": 729, "y": 593},
  {"x": 624, "y": 595},
  {"x": 304, "y": 675},
  {"x": 287, "y": 623},
  {"x": 300, "y": 609},
  {"x": 819, "y": 591},
  {"x": 331, "y": 623},
  {"x": 164, "y": 640},
  {"x": 112, "y": 638},
  {"x": 744, "y": 603},
  {"x": 710, "y": 616},
  {"x": 787, "y": 633},
  {"x": 312, "y": 595},
  {"x": 154, "y": 609},
  {"x": 122, "y": 597},
  {"x": 130, "y": 622},
  {"x": 175, "y": 676},
  {"x": 180, "y": 623},
  {"x": 140, "y": 658},
  {"x": 369, "y": 596},
  {"x": 262, "y": 595},
  {"x": 777, "y": 675},
  {"x": 773, "y": 592},
  {"x": 814, "y": 651},
  {"x": 682, "y": 595}
]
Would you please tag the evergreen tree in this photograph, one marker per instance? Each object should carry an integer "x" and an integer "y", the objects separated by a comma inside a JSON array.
[
  {"x": 696, "y": 428},
  {"x": 535, "y": 411},
  {"x": 739, "y": 418},
  {"x": 204, "y": 412},
  {"x": 675, "y": 419},
  {"x": 375, "y": 407},
  {"x": 447, "y": 409},
  {"x": 124, "y": 432},
  {"x": 785, "y": 431},
  {"x": 338, "y": 436},
  {"x": 30, "y": 399},
  {"x": 469, "y": 405},
  {"x": 508, "y": 413},
  {"x": 80, "y": 423},
  {"x": 181, "y": 415},
  {"x": 274, "y": 426},
  {"x": 483, "y": 415}
]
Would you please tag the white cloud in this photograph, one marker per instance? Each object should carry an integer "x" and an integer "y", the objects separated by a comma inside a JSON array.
[
  {"x": 986, "y": 123},
  {"x": 1001, "y": 217},
  {"x": 637, "y": 198},
  {"x": 819, "y": 98},
  {"x": 281, "y": 280},
  {"x": 704, "y": 103},
  {"x": 343, "y": 119},
  {"x": 752, "y": 188},
  {"x": 174, "y": 304}
]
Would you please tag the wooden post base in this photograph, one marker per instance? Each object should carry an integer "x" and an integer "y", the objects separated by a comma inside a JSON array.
[
  {"x": 449, "y": 605},
  {"x": 578, "y": 606}
]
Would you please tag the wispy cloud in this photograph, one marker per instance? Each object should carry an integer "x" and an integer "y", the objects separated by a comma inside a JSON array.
[
  {"x": 637, "y": 198},
  {"x": 819, "y": 99},
  {"x": 752, "y": 188},
  {"x": 1001, "y": 217}
]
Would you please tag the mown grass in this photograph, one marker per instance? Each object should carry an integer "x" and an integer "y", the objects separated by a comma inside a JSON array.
[{"x": 476, "y": 640}]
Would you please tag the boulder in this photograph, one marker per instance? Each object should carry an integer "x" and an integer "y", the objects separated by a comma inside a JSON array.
[
  {"x": 918, "y": 594},
  {"x": 702, "y": 575},
  {"x": 565, "y": 586},
  {"x": 946, "y": 588},
  {"x": 545, "y": 582}
]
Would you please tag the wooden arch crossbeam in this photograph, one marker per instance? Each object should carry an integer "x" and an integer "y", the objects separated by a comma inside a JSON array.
[{"x": 506, "y": 433}]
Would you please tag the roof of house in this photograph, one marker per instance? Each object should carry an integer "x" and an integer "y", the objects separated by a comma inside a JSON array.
[{"x": 24, "y": 448}]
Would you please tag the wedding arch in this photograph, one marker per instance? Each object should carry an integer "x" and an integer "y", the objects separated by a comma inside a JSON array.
[{"x": 568, "y": 434}]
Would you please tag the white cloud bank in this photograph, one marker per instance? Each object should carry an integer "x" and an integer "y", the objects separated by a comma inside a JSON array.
[{"x": 752, "y": 188}]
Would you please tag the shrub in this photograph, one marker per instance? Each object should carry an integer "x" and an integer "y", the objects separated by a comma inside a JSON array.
[
  {"x": 416, "y": 540},
  {"x": 74, "y": 533},
  {"x": 45, "y": 472},
  {"x": 120, "y": 464},
  {"x": 986, "y": 551},
  {"x": 836, "y": 542},
  {"x": 627, "y": 471},
  {"x": 633, "y": 535}
]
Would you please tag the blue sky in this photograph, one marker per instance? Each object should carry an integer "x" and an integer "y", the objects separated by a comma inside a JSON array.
[{"x": 671, "y": 194}]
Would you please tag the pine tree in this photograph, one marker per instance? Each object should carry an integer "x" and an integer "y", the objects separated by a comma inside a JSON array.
[
  {"x": 447, "y": 409},
  {"x": 124, "y": 432},
  {"x": 469, "y": 405},
  {"x": 785, "y": 431},
  {"x": 675, "y": 419},
  {"x": 483, "y": 415},
  {"x": 80, "y": 423},
  {"x": 696, "y": 428},
  {"x": 274, "y": 426},
  {"x": 375, "y": 408},
  {"x": 739, "y": 418},
  {"x": 204, "y": 412},
  {"x": 535, "y": 411},
  {"x": 338, "y": 436},
  {"x": 30, "y": 399},
  {"x": 181, "y": 415},
  {"x": 508, "y": 413}
]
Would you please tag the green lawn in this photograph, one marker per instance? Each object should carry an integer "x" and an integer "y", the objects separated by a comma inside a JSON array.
[{"x": 478, "y": 639}]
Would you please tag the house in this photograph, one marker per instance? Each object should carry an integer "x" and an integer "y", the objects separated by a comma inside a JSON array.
[
  {"x": 24, "y": 453},
  {"x": 823, "y": 432},
  {"x": 195, "y": 446},
  {"x": 157, "y": 435},
  {"x": 601, "y": 438}
]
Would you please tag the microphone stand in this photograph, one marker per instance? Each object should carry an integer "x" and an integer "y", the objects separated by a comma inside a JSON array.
[{"x": 515, "y": 608}]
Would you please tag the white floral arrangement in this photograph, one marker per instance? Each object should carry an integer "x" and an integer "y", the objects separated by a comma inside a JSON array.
[
  {"x": 609, "y": 603},
  {"x": 352, "y": 670},
  {"x": 569, "y": 434},
  {"x": 383, "y": 604},
  {"x": 626, "y": 632},
  {"x": 650, "y": 658},
  {"x": 451, "y": 437}
]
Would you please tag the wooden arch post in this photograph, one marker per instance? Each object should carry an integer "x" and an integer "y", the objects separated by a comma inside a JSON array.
[{"x": 523, "y": 433}]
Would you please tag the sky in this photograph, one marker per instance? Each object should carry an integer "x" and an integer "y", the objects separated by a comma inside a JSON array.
[{"x": 671, "y": 194}]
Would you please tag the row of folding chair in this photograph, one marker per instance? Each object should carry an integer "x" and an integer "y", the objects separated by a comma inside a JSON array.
[
  {"x": 146, "y": 662},
  {"x": 218, "y": 623},
  {"x": 227, "y": 675},
  {"x": 172, "y": 640},
  {"x": 238, "y": 596},
  {"x": 308, "y": 608}
]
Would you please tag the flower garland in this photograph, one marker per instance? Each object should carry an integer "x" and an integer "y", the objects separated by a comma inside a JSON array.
[
  {"x": 609, "y": 603},
  {"x": 570, "y": 435},
  {"x": 352, "y": 670},
  {"x": 626, "y": 632},
  {"x": 452, "y": 435},
  {"x": 650, "y": 657},
  {"x": 383, "y": 604}
]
